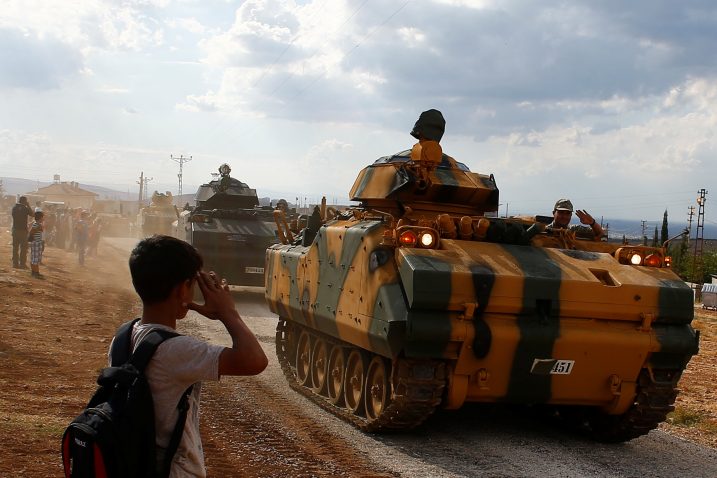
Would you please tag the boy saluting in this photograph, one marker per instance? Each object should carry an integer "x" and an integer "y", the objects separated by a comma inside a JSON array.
[{"x": 164, "y": 273}]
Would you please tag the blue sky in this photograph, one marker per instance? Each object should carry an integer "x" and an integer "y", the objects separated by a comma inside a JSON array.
[{"x": 612, "y": 104}]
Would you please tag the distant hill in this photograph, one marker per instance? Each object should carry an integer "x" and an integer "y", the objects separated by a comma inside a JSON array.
[{"x": 632, "y": 229}]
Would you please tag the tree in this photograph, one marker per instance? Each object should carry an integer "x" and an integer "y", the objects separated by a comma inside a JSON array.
[
  {"x": 664, "y": 234},
  {"x": 680, "y": 255},
  {"x": 704, "y": 270},
  {"x": 654, "y": 237}
]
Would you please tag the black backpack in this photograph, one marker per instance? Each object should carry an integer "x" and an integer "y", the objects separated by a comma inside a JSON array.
[{"x": 114, "y": 436}]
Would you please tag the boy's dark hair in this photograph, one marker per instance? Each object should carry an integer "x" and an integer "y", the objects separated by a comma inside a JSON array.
[
  {"x": 39, "y": 215},
  {"x": 159, "y": 263}
]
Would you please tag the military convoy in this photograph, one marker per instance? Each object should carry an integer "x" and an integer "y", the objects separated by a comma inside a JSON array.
[
  {"x": 230, "y": 229},
  {"x": 420, "y": 298}
]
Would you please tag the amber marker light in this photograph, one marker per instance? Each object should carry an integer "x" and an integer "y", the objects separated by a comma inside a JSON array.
[
  {"x": 408, "y": 238},
  {"x": 668, "y": 261},
  {"x": 653, "y": 260}
]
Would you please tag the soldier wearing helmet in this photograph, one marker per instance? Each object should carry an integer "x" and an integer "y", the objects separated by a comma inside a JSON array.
[
  {"x": 563, "y": 212},
  {"x": 428, "y": 130}
]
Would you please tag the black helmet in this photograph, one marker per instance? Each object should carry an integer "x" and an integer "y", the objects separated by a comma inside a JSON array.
[{"x": 430, "y": 126}]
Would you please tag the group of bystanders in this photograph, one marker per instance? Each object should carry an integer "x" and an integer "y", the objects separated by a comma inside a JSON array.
[{"x": 76, "y": 230}]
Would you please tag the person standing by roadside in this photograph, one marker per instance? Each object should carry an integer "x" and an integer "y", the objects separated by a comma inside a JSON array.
[
  {"x": 94, "y": 238},
  {"x": 81, "y": 235},
  {"x": 36, "y": 244},
  {"x": 20, "y": 212},
  {"x": 60, "y": 227}
]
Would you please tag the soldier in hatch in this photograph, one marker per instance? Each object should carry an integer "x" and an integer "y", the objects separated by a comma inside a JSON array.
[
  {"x": 428, "y": 130},
  {"x": 563, "y": 212}
]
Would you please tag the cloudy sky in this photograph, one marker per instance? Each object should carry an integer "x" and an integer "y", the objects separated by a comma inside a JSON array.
[{"x": 612, "y": 104}]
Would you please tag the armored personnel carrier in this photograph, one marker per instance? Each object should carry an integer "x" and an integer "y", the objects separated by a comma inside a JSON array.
[
  {"x": 229, "y": 229},
  {"x": 157, "y": 218},
  {"x": 421, "y": 298}
]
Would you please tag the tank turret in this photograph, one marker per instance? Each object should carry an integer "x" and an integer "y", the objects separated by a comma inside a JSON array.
[
  {"x": 226, "y": 193},
  {"x": 394, "y": 183},
  {"x": 424, "y": 179}
]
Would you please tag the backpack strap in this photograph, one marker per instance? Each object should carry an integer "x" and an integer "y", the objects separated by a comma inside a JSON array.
[
  {"x": 122, "y": 343},
  {"x": 176, "y": 438},
  {"x": 146, "y": 347}
]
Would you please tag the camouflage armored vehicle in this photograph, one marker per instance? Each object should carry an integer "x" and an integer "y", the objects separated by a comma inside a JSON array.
[
  {"x": 157, "y": 218},
  {"x": 420, "y": 298},
  {"x": 229, "y": 229}
]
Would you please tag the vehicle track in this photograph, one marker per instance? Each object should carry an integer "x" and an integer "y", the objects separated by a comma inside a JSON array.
[{"x": 264, "y": 435}]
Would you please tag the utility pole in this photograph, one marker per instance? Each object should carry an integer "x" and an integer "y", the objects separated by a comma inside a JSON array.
[
  {"x": 146, "y": 180},
  {"x": 644, "y": 237},
  {"x": 181, "y": 160},
  {"x": 141, "y": 186},
  {"x": 697, "y": 273},
  {"x": 689, "y": 222}
]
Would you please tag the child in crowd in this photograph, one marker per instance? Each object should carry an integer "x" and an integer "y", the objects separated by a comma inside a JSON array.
[{"x": 35, "y": 238}]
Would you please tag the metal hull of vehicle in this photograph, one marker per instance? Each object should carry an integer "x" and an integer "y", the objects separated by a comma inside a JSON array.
[{"x": 234, "y": 249}]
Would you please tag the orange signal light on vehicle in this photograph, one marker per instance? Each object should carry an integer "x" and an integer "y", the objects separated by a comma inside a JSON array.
[
  {"x": 408, "y": 238},
  {"x": 653, "y": 260},
  {"x": 668, "y": 261}
]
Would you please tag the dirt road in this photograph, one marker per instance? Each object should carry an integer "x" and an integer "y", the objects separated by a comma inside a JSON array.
[
  {"x": 53, "y": 340},
  {"x": 475, "y": 441}
]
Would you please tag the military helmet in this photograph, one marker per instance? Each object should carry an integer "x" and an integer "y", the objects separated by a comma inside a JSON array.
[
  {"x": 430, "y": 125},
  {"x": 563, "y": 205}
]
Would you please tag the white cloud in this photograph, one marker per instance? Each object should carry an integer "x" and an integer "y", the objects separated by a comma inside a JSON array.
[
  {"x": 113, "y": 90},
  {"x": 546, "y": 95},
  {"x": 191, "y": 25}
]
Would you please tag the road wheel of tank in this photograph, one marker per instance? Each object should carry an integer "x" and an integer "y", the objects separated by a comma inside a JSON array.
[
  {"x": 303, "y": 359},
  {"x": 319, "y": 365},
  {"x": 377, "y": 389},
  {"x": 336, "y": 372},
  {"x": 354, "y": 382}
]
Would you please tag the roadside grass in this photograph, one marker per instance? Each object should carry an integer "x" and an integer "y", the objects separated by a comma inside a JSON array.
[{"x": 690, "y": 418}]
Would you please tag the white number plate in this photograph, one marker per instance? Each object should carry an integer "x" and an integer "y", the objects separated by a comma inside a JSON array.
[
  {"x": 254, "y": 270},
  {"x": 562, "y": 367},
  {"x": 552, "y": 367}
]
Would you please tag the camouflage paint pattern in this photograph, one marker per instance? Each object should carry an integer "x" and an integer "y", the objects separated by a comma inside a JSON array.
[
  {"x": 528, "y": 303},
  {"x": 516, "y": 317}
]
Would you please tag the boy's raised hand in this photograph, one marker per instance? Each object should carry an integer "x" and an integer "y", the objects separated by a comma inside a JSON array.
[{"x": 218, "y": 301}]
